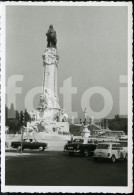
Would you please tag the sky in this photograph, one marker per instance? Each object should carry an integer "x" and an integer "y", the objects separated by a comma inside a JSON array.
[{"x": 91, "y": 43}]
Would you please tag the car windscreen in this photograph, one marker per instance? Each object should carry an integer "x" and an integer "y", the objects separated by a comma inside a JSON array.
[{"x": 103, "y": 146}]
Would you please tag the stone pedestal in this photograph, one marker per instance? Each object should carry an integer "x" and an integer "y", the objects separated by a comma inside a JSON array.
[{"x": 85, "y": 131}]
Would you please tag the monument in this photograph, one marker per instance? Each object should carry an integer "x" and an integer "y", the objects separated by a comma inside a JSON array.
[{"x": 49, "y": 118}]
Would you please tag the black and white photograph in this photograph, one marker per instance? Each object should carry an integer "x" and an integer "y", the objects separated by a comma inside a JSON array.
[{"x": 66, "y": 97}]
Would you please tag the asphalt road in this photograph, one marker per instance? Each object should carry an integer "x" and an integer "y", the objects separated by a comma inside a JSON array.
[{"x": 58, "y": 169}]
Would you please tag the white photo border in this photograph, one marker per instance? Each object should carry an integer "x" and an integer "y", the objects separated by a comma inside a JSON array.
[{"x": 72, "y": 189}]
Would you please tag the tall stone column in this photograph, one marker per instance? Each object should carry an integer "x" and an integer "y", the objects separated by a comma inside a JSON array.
[{"x": 50, "y": 64}]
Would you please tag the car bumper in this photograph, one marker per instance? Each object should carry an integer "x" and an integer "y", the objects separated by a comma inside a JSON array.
[
  {"x": 101, "y": 157},
  {"x": 73, "y": 151}
]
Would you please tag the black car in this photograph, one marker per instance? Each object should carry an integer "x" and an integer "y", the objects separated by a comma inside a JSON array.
[
  {"x": 29, "y": 144},
  {"x": 79, "y": 146}
]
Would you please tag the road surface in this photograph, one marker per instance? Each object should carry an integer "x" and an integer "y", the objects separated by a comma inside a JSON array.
[{"x": 58, "y": 169}]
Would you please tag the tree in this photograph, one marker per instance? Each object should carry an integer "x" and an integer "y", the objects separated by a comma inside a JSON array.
[
  {"x": 15, "y": 123},
  {"x": 118, "y": 123},
  {"x": 117, "y": 117},
  {"x": 27, "y": 116}
]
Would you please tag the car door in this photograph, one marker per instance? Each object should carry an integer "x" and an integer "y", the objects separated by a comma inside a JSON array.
[
  {"x": 34, "y": 144},
  {"x": 31, "y": 144},
  {"x": 91, "y": 148},
  {"x": 115, "y": 151},
  {"x": 26, "y": 144},
  {"x": 119, "y": 151}
]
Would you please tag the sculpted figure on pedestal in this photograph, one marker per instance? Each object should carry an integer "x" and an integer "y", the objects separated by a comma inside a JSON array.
[
  {"x": 51, "y": 37},
  {"x": 63, "y": 117}
]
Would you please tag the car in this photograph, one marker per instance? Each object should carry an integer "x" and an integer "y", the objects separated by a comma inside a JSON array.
[
  {"x": 29, "y": 144},
  {"x": 109, "y": 150},
  {"x": 80, "y": 146}
]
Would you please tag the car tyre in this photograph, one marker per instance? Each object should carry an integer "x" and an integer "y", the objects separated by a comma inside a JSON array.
[
  {"x": 41, "y": 148},
  {"x": 19, "y": 148},
  {"x": 113, "y": 159},
  {"x": 86, "y": 153}
]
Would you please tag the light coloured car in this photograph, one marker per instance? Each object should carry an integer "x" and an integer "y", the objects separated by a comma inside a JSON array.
[{"x": 109, "y": 150}]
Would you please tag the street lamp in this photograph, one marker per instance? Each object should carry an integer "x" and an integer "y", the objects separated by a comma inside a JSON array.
[{"x": 85, "y": 114}]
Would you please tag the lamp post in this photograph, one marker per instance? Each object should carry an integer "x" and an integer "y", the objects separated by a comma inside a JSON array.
[
  {"x": 22, "y": 121},
  {"x": 72, "y": 119},
  {"x": 21, "y": 138},
  {"x": 85, "y": 114}
]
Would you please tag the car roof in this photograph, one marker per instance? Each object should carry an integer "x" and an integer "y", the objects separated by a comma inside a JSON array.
[
  {"x": 108, "y": 143},
  {"x": 28, "y": 138}
]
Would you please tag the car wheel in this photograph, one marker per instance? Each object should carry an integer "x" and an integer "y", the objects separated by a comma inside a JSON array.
[
  {"x": 86, "y": 153},
  {"x": 41, "y": 148},
  {"x": 19, "y": 148},
  {"x": 113, "y": 159}
]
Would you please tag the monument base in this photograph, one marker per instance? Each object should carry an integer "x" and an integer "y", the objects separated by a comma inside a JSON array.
[{"x": 49, "y": 128}]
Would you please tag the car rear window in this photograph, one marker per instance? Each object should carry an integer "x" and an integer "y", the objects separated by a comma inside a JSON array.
[
  {"x": 123, "y": 144},
  {"x": 116, "y": 146},
  {"x": 103, "y": 146}
]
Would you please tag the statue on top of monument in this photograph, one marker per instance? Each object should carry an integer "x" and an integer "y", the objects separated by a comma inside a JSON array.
[{"x": 51, "y": 37}]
